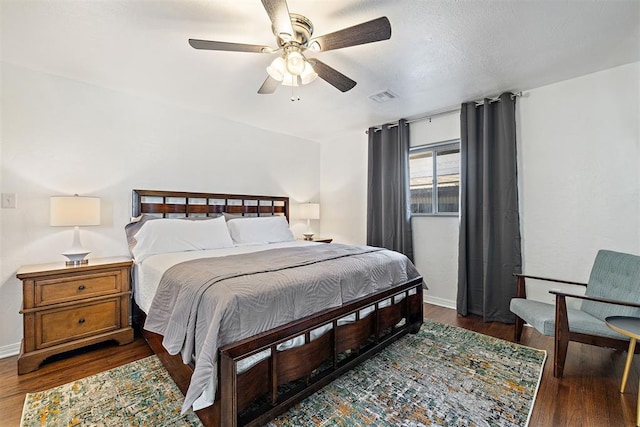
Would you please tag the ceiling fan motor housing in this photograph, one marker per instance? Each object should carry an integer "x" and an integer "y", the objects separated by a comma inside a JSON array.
[{"x": 302, "y": 27}]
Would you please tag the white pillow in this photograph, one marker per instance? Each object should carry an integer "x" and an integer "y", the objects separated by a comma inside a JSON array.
[
  {"x": 177, "y": 235},
  {"x": 265, "y": 229}
]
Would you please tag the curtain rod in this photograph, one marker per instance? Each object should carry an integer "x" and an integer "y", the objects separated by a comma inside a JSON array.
[{"x": 442, "y": 113}]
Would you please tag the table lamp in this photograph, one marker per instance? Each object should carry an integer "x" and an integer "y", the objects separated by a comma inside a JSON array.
[
  {"x": 309, "y": 211},
  {"x": 75, "y": 211}
]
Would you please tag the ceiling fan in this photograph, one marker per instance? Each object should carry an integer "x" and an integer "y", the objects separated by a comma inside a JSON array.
[{"x": 294, "y": 38}]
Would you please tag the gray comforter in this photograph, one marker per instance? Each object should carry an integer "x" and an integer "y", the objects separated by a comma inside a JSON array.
[{"x": 203, "y": 304}]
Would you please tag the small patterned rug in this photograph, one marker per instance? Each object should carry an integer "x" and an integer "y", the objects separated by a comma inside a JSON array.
[
  {"x": 442, "y": 376},
  {"x": 140, "y": 393}
]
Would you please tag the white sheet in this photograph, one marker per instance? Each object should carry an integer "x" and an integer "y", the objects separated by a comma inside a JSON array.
[{"x": 147, "y": 274}]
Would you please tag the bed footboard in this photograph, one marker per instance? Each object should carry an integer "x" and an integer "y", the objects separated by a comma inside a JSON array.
[{"x": 287, "y": 376}]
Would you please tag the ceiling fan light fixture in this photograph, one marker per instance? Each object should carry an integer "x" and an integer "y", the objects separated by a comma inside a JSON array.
[
  {"x": 277, "y": 70},
  {"x": 295, "y": 62},
  {"x": 290, "y": 80},
  {"x": 308, "y": 74}
]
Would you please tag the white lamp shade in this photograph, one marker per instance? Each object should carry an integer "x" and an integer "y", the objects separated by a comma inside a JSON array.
[
  {"x": 277, "y": 69},
  {"x": 309, "y": 211},
  {"x": 295, "y": 63},
  {"x": 308, "y": 75},
  {"x": 73, "y": 211},
  {"x": 290, "y": 80}
]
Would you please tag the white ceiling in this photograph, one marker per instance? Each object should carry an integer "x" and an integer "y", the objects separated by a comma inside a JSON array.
[{"x": 440, "y": 54}]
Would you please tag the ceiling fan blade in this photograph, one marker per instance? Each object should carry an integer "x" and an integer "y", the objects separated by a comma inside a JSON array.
[
  {"x": 231, "y": 47},
  {"x": 278, "y": 12},
  {"x": 367, "y": 32},
  {"x": 332, "y": 76},
  {"x": 269, "y": 86}
]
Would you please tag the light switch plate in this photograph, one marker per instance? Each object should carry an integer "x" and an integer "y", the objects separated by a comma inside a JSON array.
[{"x": 9, "y": 200}]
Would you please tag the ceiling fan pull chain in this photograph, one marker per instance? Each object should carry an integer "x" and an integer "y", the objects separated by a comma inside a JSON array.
[{"x": 295, "y": 93}]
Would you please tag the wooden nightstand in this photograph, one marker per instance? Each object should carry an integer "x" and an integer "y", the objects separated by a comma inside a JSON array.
[
  {"x": 65, "y": 308},
  {"x": 319, "y": 239}
]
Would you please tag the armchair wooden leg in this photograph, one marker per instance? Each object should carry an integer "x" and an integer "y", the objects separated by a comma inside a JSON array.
[
  {"x": 560, "y": 356},
  {"x": 561, "y": 336},
  {"x": 518, "y": 329}
]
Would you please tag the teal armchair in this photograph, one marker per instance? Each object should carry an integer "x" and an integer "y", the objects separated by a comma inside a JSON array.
[{"x": 613, "y": 290}]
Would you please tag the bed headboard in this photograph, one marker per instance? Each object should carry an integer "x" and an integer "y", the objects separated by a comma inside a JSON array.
[{"x": 176, "y": 204}]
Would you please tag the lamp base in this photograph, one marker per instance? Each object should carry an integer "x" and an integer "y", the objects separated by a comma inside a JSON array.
[
  {"x": 308, "y": 236},
  {"x": 77, "y": 252},
  {"x": 76, "y": 259}
]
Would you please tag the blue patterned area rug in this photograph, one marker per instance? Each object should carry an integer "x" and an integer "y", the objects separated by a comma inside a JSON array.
[
  {"x": 140, "y": 393},
  {"x": 442, "y": 376}
]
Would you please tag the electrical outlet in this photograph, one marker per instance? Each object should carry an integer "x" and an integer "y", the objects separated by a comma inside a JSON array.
[{"x": 9, "y": 200}]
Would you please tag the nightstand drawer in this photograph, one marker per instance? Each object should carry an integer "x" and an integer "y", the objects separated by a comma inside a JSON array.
[
  {"x": 53, "y": 291},
  {"x": 62, "y": 325}
]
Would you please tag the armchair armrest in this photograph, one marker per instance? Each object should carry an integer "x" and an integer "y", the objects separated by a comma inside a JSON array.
[
  {"x": 521, "y": 290},
  {"x": 549, "y": 280},
  {"x": 596, "y": 299}
]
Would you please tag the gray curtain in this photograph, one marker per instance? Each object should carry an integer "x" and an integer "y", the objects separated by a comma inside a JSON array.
[
  {"x": 489, "y": 249},
  {"x": 388, "y": 199}
]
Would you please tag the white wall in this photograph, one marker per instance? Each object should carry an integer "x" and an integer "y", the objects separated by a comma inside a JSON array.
[
  {"x": 343, "y": 172},
  {"x": 435, "y": 238},
  {"x": 579, "y": 173},
  {"x": 63, "y": 137},
  {"x": 579, "y": 182}
]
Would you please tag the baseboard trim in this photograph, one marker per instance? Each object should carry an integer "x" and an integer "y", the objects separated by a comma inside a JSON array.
[
  {"x": 9, "y": 350},
  {"x": 440, "y": 301}
]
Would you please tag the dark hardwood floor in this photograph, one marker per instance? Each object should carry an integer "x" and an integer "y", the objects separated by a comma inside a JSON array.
[{"x": 588, "y": 395}]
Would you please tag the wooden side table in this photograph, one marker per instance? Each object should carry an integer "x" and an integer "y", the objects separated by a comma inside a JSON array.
[
  {"x": 65, "y": 308},
  {"x": 630, "y": 327},
  {"x": 319, "y": 239}
]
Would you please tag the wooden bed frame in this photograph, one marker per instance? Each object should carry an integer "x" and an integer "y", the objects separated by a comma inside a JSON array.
[{"x": 270, "y": 387}]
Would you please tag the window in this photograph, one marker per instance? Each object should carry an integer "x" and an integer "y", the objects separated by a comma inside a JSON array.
[{"x": 435, "y": 166}]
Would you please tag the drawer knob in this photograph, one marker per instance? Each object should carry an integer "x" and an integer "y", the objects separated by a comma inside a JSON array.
[
  {"x": 81, "y": 288},
  {"x": 81, "y": 321}
]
